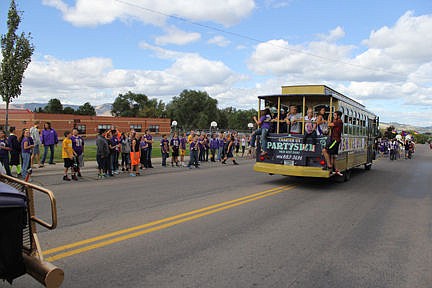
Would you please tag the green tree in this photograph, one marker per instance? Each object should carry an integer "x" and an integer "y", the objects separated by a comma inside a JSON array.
[
  {"x": 122, "y": 106},
  {"x": 420, "y": 138},
  {"x": 153, "y": 109},
  {"x": 137, "y": 105},
  {"x": 86, "y": 109},
  {"x": 193, "y": 110},
  {"x": 238, "y": 119},
  {"x": 54, "y": 106},
  {"x": 16, "y": 51},
  {"x": 68, "y": 110}
]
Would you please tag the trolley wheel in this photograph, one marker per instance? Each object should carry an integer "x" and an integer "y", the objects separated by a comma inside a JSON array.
[
  {"x": 368, "y": 166},
  {"x": 339, "y": 179},
  {"x": 347, "y": 175}
]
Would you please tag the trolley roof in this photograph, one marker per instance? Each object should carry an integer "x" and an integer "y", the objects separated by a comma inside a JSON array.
[{"x": 315, "y": 90}]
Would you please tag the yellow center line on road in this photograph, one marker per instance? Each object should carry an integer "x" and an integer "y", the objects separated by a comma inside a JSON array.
[
  {"x": 164, "y": 223},
  {"x": 131, "y": 229}
]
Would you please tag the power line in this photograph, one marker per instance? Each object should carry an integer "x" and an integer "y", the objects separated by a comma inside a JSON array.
[{"x": 259, "y": 41}]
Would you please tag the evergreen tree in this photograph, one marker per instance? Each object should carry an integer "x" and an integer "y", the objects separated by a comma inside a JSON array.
[
  {"x": 86, "y": 109},
  {"x": 16, "y": 51}
]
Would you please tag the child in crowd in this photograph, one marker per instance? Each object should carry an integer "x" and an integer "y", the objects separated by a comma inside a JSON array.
[
  {"x": 15, "y": 153},
  {"x": 26, "y": 151},
  {"x": 68, "y": 156},
  {"x": 164, "y": 143},
  {"x": 175, "y": 146},
  {"x": 135, "y": 155},
  {"x": 78, "y": 147},
  {"x": 230, "y": 150},
  {"x": 213, "y": 147},
  {"x": 193, "y": 153},
  {"x": 125, "y": 152},
  {"x": 183, "y": 141}
]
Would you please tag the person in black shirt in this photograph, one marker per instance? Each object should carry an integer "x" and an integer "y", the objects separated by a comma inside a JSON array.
[
  {"x": 4, "y": 152},
  {"x": 15, "y": 153}
]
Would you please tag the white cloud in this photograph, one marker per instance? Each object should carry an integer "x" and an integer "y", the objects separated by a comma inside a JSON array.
[
  {"x": 333, "y": 35},
  {"x": 97, "y": 81},
  {"x": 316, "y": 60},
  {"x": 177, "y": 36},
  {"x": 410, "y": 33},
  {"x": 389, "y": 55},
  {"x": 95, "y": 12},
  {"x": 219, "y": 41},
  {"x": 98, "y": 12}
]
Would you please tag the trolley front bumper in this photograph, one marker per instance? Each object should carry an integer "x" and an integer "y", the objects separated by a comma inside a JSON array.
[{"x": 289, "y": 170}]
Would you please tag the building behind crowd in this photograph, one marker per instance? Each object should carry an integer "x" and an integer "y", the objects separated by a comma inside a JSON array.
[{"x": 86, "y": 125}]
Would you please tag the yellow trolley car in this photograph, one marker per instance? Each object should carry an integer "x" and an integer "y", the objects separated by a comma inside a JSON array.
[{"x": 292, "y": 155}]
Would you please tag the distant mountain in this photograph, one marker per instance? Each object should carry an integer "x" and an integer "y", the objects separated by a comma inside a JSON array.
[
  {"x": 406, "y": 127},
  {"x": 101, "y": 110},
  {"x": 104, "y": 109}
]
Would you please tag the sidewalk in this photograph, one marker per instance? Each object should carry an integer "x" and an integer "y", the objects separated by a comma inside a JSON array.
[
  {"x": 90, "y": 167},
  {"x": 52, "y": 174}
]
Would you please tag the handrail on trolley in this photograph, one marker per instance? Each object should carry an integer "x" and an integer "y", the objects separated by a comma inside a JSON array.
[
  {"x": 45, "y": 224},
  {"x": 44, "y": 272}
]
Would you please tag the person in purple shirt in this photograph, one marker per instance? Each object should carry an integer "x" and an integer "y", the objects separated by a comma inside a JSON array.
[
  {"x": 206, "y": 147},
  {"x": 26, "y": 151},
  {"x": 193, "y": 153},
  {"x": 264, "y": 126},
  {"x": 78, "y": 147},
  {"x": 183, "y": 142},
  {"x": 220, "y": 146},
  {"x": 48, "y": 139},
  {"x": 15, "y": 153},
  {"x": 115, "y": 142},
  {"x": 201, "y": 148},
  {"x": 164, "y": 143},
  {"x": 214, "y": 145}
]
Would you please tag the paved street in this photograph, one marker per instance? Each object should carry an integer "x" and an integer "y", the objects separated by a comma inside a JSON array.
[{"x": 228, "y": 226}]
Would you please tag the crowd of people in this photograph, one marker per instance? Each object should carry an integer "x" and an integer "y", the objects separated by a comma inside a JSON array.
[
  {"x": 22, "y": 152},
  {"x": 291, "y": 122},
  {"x": 314, "y": 127},
  {"x": 116, "y": 152},
  {"x": 136, "y": 150},
  {"x": 396, "y": 148}
]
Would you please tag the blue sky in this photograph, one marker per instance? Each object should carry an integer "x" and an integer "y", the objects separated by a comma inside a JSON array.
[{"x": 377, "y": 52}]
